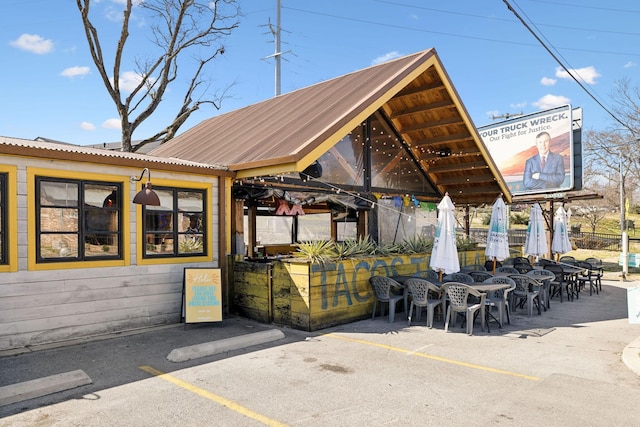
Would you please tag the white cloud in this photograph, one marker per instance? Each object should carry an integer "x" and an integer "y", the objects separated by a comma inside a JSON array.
[
  {"x": 33, "y": 43},
  {"x": 114, "y": 13},
  {"x": 585, "y": 74},
  {"x": 128, "y": 81},
  {"x": 135, "y": 2},
  {"x": 630, "y": 64},
  {"x": 551, "y": 101},
  {"x": 87, "y": 126},
  {"x": 111, "y": 124},
  {"x": 548, "y": 81},
  {"x": 72, "y": 72},
  {"x": 520, "y": 105},
  {"x": 386, "y": 57}
]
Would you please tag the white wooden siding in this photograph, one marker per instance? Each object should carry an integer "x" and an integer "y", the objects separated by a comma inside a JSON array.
[{"x": 45, "y": 306}]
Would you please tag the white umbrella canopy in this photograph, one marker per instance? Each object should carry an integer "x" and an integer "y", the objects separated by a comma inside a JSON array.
[
  {"x": 444, "y": 255},
  {"x": 536, "y": 241},
  {"x": 498, "y": 236},
  {"x": 560, "y": 243}
]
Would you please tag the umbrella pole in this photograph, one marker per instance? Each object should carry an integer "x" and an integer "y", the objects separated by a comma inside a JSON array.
[
  {"x": 494, "y": 265},
  {"x": 440, "y": 276}
]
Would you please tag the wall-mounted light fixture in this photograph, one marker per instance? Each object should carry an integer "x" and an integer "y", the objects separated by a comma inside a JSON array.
[{"x": 146, "y": 196}]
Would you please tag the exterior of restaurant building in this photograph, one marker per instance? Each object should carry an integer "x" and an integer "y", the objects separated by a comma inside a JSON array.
[{"x": 365, "y": 154}]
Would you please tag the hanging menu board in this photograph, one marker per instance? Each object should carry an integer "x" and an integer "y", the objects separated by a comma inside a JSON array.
[{"x": 202, "y": 295}]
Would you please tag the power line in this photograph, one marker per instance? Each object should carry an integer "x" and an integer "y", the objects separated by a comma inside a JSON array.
[
  {"x": 555, "y": 57},
  {"x": 420, "y": 30},
  {"x": 493, "y": 18},
  {"x": 582, "y": 6}
]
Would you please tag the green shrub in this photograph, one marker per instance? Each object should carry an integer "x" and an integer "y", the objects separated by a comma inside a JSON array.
[
  {"x": 519, "y": 218},
  {"x": 466, "y": 243}
]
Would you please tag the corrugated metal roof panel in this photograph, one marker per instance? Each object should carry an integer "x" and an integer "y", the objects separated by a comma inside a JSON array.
[
  {"x": 79, "y": 150},
  {"x": 284, "y": 128},
  {"x": 289, "y": 132}
]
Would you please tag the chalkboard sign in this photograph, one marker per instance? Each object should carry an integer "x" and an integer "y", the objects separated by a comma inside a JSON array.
[{"x": 202, "y": 295}]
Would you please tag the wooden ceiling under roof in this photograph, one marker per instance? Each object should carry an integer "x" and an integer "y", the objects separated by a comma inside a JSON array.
[
  {"x": 435, "y": 128},
  {"x": 289, "y": 132}
]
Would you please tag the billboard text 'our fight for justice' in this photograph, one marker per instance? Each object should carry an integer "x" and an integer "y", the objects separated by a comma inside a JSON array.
[{"x": 534, "y": 153}]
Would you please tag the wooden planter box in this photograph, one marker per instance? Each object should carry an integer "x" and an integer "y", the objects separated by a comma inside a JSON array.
[{"x": 310, "y": 297}]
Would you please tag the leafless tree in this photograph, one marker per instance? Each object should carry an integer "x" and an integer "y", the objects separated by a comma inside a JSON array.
[
  {"x": 177, "y": 28},
  {"x": 611, "y": 155},
  {"x": 591, "y": 213}
]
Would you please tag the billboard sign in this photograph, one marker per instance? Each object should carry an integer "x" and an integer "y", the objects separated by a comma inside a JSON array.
[{"x": 534, "y": 153}]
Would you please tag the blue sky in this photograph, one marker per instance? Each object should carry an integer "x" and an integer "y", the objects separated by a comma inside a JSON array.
[{"x": 50, "y": 88}]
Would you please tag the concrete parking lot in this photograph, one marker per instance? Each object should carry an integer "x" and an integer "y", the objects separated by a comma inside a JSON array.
[{"x": 564, "y": 367}]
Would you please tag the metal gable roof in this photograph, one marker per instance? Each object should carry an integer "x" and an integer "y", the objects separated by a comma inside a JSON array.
[{"x": 290, "y": 131}]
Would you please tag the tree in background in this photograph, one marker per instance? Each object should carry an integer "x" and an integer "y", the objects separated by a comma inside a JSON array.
[
  {"x": 607, "y": 150},
  {"x": 179, "y": 31}
]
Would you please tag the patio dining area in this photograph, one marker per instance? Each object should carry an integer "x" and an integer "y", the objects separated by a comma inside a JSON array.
[{"x": 477, "y": 294}]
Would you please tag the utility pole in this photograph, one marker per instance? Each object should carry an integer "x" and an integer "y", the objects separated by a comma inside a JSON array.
[
  {"x": 275, "y": 32},
  {"x": 277, "y": 53},
  {"x": 623, "y": 226}
]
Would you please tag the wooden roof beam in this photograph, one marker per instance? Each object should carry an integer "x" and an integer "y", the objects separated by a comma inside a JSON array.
[
  {"x": 457, "y": 167},
  {"x": 443, "y": 105},
  {"x": 449, "y": 139},
  {"x": 465, "y": 180},
  {"x": 436, "y": 85},
  {"x": 433, "y": 125}
]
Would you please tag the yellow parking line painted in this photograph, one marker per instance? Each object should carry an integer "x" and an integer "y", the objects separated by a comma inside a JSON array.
[
  {"x": 438, "y": 358},
  {"x": 211, "y": 396}
]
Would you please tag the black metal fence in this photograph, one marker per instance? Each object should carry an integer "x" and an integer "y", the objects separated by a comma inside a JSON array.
[{"x": 580, "y": 240}]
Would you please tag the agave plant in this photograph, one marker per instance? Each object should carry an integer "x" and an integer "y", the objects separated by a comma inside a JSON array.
[
  {"x": 352, "y": 248},
  {"x": 466, "y": 243},
  {"x": 319, "y": 251},
  {"x": 388, "y": 249},
  {"x": 190, "y": 245},
  {"x": 345, "y": 249},
  {"x": 416, "y": 245}
]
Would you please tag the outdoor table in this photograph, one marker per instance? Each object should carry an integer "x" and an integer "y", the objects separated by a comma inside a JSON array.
[
  {"x": 480, "y": 287},
  {"x": 546, "y": 285},
  {"x": 570, "y": 274},
  {"x": 486, "y": 288}
]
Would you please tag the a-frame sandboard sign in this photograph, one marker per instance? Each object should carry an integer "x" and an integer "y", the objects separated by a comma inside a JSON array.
[{"x": 201, "y": 295}]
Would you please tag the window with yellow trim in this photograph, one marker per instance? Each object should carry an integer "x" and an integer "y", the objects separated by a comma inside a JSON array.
[
  {"x": 176, "y": 227},
  {"x": 3, "y": 219},
  {"x": 78, "y": 220}
]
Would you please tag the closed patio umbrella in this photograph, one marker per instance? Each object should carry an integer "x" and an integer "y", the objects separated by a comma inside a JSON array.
[
  {"x": 498, "y": 236},
  {"x": 444, "y": 255},
  {"x": 560, "y": 243},
  {"x": 536, "y": 240}
]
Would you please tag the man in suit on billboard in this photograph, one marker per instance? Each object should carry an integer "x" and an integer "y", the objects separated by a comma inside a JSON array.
[{"x": 545, "y": 170}]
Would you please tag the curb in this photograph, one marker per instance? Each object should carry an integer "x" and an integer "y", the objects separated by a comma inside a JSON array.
[
  {"x": 631, "y": 356},
  {"x": 42, "y": 386},
  {"x": 220, "y": 346}
]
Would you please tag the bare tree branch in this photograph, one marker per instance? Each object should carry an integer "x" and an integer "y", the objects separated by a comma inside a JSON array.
[{"x": 178, "y": 27}]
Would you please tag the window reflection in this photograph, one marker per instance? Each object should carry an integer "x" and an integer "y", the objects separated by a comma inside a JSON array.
[
  {"x": 176, "y": 227},
  {"x": 78, "y": 220}
]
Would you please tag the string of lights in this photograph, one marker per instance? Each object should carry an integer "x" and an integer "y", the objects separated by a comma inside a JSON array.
[{"x": 408, "y": 200}]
